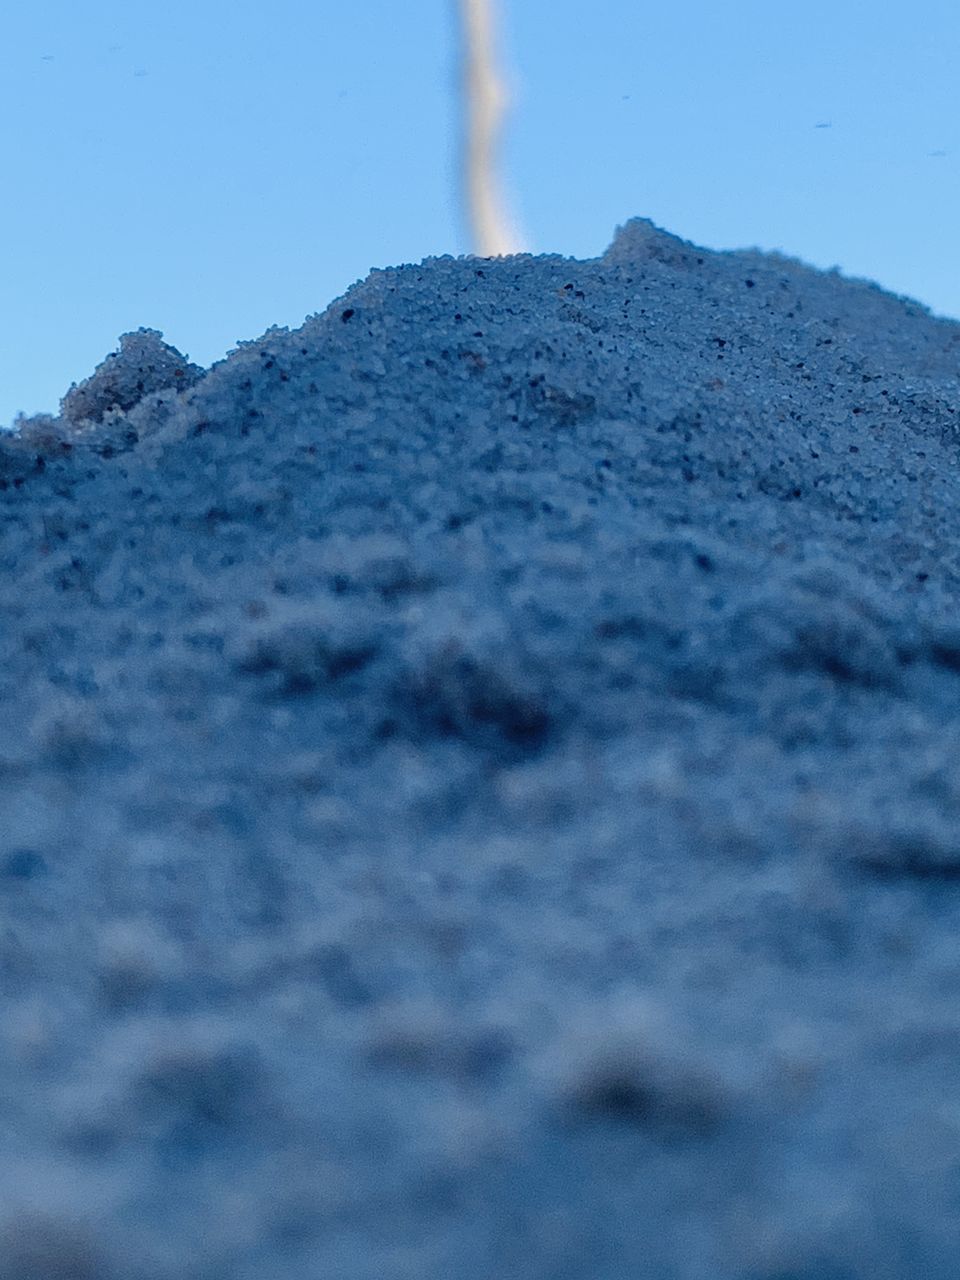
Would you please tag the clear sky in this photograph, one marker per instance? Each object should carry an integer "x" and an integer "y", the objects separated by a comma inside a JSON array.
[{"x": 210, "y": 168}]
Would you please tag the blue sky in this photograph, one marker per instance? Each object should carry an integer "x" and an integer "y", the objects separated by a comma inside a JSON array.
[{"x": 211, "y": 168}]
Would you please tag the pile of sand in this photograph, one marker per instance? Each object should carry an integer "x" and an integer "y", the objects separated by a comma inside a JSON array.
[{"x": 479, "y": 787}]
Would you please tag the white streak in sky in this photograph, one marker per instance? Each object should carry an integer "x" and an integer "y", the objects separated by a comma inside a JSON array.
[{"x": 485, "y": 104}]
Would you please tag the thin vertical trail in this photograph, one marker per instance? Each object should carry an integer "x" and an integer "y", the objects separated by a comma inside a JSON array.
[{"x": 485, "y": 104}]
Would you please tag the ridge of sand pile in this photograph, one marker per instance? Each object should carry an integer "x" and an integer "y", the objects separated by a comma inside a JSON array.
[{"x": 479, "y": 787}]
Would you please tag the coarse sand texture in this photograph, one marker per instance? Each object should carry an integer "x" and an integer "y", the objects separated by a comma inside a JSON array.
[{"x": 479, "y": 787}]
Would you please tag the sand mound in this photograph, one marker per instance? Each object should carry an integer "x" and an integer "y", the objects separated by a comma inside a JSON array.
[{"x": 479, "y": 787}]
